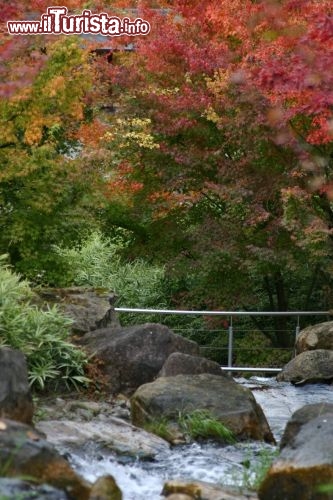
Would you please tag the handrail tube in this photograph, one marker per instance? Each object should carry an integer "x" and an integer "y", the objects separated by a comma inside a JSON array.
[
  {"x": 231, "y": 315},
  {"x": 248, "y": 369},
  {"x": 225, "y": 313}
]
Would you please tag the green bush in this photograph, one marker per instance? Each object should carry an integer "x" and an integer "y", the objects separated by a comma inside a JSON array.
[
  {"x": 255, "y": 349},
  {"x": 97, "y": 263},
  {"x": 41, "y": 335}
]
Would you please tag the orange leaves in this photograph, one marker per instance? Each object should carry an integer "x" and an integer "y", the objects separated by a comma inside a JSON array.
[
  {"x": 33, "y": 135},
  {"x": 122, "y": 190},
  {"x": 91, "y": 134},
  {"x": 56, "y": 85},
  {"x": 164, "y": 202},
  {"x": 121, "y": 186}
]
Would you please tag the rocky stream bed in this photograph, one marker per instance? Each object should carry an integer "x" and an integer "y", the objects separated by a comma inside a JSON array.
[{"x": 94, "y": 437}]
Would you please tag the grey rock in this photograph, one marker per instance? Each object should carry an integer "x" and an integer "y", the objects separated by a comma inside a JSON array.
[
  {"x": 24, "y": 452},
  {"x": 304, "y": 465},
  {"x": 318, "y": 336},
  {"x": 302, "y": 417},
  {"x": 89, "y": 308},
  {"x": 112, "y": 434},
  {"x": 19, "y": 489},
  {"x": 79, "y": 410},
  {"x": 15, "y": 395},
  {"x": 227, "y": 401},
  {"x": 134, "y": 355},
  {"x": 183, "y": 364},
  {"x": 309, "y": 366},
  {"x": 105, "y": 488}
]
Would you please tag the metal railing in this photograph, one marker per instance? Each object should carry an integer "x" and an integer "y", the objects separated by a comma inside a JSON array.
[{"x": 231, "y": 315}]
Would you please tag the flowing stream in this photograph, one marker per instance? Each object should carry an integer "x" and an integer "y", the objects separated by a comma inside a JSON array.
[{"x": 143, "y": 480}]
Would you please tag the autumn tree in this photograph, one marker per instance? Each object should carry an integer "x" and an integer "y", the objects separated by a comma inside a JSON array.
[
  {"x": 46, "y": 109},
  {"x": 224, "y": 149}
]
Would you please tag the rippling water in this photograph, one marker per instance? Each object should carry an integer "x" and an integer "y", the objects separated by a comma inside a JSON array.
[{"x": 207, "y": 462}]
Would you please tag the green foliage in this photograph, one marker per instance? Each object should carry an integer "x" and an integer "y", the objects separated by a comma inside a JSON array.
[
  {"x": 98, "y": 263},
  {"x": 253, "y": 348},
  {"x": 42, "y": 335},
  {"x": 197, "y": 424},
  {"x": 159, "y": 427},
  {"x": 325, "y": 488},
  {"x": 44, "y": 192},
  {"x": 201, "y": 424}
]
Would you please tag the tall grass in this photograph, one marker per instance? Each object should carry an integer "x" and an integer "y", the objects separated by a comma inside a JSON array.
[
  {"x": 195, "y": 425},
  {"x": 42, "y": 335},
  {"x": 97, "y": 263},
  {"x": 201, "y": 424}
]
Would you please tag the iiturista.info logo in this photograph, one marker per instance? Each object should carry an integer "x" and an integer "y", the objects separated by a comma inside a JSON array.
[{"x": 56, "y": 21}]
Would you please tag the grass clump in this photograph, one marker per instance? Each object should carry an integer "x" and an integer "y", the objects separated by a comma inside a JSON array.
[
  {"x": 42, "y": 335},
  {"x": 256, "y": 467},
  {"x": 195, "y": 425},
  {"x": 201, "y": 424},
  {"x": 159, "y": 427}
]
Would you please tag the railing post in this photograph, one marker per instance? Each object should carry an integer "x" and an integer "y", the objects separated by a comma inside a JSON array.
[
  {"x": 230, "y": 342},
  {"x": 297, "y": 330}
]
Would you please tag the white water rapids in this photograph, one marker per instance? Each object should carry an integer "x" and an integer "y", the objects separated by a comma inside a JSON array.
[{"x": 140, "y": 480}]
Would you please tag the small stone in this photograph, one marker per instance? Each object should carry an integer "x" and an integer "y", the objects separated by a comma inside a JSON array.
[
  {"x": 105, "y": 488},
  {"x": 121, "y": 413},
  {"x": 179, "y": 496}
]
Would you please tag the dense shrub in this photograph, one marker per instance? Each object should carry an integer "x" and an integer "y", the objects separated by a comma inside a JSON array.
[
  {"x": 97, "y": 263},
  {"x": 42, "y": 335}
]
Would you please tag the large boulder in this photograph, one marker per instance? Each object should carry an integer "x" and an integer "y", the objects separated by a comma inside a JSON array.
[
  {"x": 15, "y": 396},
  {"x": 315, "y": 337},
  {"x": 305, "y": 464},
  {"x": 24, "y": 452},
  {"x": 134, "y": 355},
  {"x": 227, "y": 401},
  {"x": 179, "y": 363},
  {"x": 302, "y": 417},
  {"x": 113, "y": 434},
  {"x": 309, "y": 366},
  {"x": 89, "y": 308}
]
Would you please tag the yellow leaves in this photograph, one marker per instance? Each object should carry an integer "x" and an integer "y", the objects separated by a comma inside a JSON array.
[
  {"x": 211, "y": 115},
  {"x": 142, "y": 139},
  {"x": 160, "y": 91},
  {"x": 55, "y": 86},
  {"x": 133, "y": 132},
  {"x": 220, "y": 82},
  {"x": 54, "y": 94}
]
